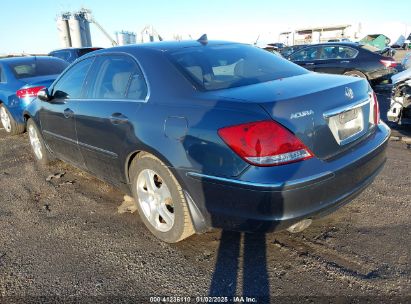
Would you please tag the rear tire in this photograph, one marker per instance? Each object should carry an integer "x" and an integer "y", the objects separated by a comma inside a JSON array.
[
  {"x": 38, "y": 146},
  {"x": 8, "y": 122},
  {"x": 355, "y": 73},
  {"x": 160, "y": 199}
]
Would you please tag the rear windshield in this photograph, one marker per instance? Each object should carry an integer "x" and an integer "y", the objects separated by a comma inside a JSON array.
[
  {"x": 232, "y": 65},
  {"x": 82, "y": 52},
  {"x": 370, "y": 48},
  {"x": 31, "y": 67}
]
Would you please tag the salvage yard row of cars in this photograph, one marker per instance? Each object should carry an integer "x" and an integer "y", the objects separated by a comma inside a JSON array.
[{"x": 213, "y": 134}]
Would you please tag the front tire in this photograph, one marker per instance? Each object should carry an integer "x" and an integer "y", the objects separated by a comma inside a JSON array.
[
  {"x": 160, "y": 199},
  {"x": 38, "y": 146},
  {"x": 8, "y": 122}
]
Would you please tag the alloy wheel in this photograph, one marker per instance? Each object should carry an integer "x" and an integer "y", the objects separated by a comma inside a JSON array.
[
  {"x": 155, "y": 200},
  {"x": 35, "y": 142},
  {"x": 5, "y": 119}
]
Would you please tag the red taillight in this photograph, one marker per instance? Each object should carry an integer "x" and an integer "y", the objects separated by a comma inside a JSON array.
[
  {"x": 29, "y": 92},
  {"x": 376, "y": 109},
  {"x": 264, "y": 143},
  {"x": 389, "y": 63}
]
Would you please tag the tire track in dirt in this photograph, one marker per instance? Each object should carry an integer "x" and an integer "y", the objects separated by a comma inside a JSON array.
[{"x": 341, "y": 265}]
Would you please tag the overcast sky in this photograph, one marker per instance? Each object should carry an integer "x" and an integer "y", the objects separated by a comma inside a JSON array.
[{"x": 30, "y": 26}]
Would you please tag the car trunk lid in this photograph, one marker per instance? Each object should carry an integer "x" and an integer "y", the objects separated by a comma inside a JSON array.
[
  {"x": 328, "y": 113},
  {"x": 39, "y": 79}
]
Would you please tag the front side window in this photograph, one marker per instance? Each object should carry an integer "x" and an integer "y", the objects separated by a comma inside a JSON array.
[
  {"x": 231, "y": 65},
  {"x": 117, "y": 77},
  {"x": 338, "y": 52},
  {"x": 306, "y": 54},
  {"x": 70, "y": 85}
]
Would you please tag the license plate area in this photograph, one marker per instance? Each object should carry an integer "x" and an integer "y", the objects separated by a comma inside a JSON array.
[{"x": 347, "y": 124}]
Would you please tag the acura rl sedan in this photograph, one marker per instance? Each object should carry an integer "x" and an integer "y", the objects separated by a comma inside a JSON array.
[{"x": 212, "y": 134}]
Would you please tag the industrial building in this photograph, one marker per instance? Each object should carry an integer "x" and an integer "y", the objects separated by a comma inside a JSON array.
[{"x": 310, "y": 35}]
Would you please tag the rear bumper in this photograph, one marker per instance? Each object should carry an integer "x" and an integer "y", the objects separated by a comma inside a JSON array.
[
  {"x": 381, "y": 74},
  {"x": 272, "y": 198}
]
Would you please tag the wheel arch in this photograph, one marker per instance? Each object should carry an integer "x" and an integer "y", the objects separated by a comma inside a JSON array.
[
  {"x": 138, "y": 153},
  {"x": 356, "y": 70},
  {"x": 26, "y": 116}
]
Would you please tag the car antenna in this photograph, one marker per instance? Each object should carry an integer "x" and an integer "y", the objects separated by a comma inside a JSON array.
[{"x": 203, "y": 39}]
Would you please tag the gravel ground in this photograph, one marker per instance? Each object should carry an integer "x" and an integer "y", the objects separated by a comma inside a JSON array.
[{"x": 65, "y": 238}]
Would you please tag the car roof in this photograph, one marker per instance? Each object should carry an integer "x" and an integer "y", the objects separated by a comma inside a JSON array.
[
  {"x": 166, "y": 46},
  {"x": 25, "y": 58},
  {"x": 77, "y": 48},
  {"x": 347, "y": 43}
]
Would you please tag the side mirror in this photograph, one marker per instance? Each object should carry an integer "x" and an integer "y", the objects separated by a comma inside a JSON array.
[{"x": 44, "y": 95}]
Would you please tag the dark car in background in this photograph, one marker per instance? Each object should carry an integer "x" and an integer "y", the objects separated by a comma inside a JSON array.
[
  {"x": 71, "y": 54},
  {"x": 277, "y": 46},
  {"x": 212, "y": 134},
  {"x": 345, "y": 58},
  {"x": 20, "y": 80},
  {"x": 288, "y": 50}
]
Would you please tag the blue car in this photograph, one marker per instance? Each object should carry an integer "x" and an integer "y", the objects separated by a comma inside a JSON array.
[
  {"x": 20, "y": 80},
  {"x": 210, "y": 134}
]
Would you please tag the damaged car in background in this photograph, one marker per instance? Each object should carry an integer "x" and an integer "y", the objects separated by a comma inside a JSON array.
[{"x": 400, "y": 109}]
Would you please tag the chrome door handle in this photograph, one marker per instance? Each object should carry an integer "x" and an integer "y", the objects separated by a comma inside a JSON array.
[
  {"x": 68, "y": 113},
  {"x": 118, "y": 118},
  {"x": 309, "y": 63}
]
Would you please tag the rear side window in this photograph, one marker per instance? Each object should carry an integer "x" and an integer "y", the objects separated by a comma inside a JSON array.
[
  {"x": 70, "y": 85},
  {"x": 306, "y": 54},
  {"x": 117, "y": 77},
  {"x": 82, "y": 52},
  {"x": 49, "y": 67},
  {"x": 369, "y": 48},
  {"x": 232, "y": 65},
  {"x": 338, "y": 52}
]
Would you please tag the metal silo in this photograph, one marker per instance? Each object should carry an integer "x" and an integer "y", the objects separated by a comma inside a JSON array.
[
  {"x": 75, "y": 31},
  {"x": 122, "y": 38},
  {"x": 126, "y": 38},
  {"x": 87, "y": 32},
  {"x": 119, "y": 38},
  {"x": 132, "y": 38},
  {"x": 84, "y": 27},
  {"x": 83, "y": 31},
  {"x": 63, "y": 30}
]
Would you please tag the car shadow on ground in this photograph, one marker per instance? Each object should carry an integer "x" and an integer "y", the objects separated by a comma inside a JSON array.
[{"x": 255, "y": 280}]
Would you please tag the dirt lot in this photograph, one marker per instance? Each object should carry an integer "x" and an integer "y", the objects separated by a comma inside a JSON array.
[{"x": 64, "y": 238}]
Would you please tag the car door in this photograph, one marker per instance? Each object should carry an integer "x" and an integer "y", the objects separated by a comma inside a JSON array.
[
  {"x": 335, "y": 59},
  {"x": 57, "y": 116},
  {"x": 306, "y": 57},
  {"x": 116, "y": 90}
]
